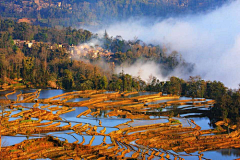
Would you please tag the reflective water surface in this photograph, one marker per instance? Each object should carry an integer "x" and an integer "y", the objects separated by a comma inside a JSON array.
[{"x": 111, "y": 122}]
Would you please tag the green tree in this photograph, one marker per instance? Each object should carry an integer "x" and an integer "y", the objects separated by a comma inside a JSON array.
[
  {"x": 103, "y": 83},
  {"x": 175, "y": 86},
  {"x": 193, "y": 86},
  {"x": 67, "y": 82}
]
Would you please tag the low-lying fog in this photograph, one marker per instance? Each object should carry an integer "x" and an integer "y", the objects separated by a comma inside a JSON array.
[{"x": 210, "y": 40}]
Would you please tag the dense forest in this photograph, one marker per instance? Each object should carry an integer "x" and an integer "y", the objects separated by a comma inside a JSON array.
[
  {"x": 46, "y": 64},
  {"x": 95, "y": 12},
  {"x": 227, "y": 100}
]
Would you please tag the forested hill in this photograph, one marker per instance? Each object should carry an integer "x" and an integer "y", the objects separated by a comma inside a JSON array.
[{"x": 94, "y": 12}]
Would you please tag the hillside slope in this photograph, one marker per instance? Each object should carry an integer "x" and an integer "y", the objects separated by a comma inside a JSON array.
[{"x": 94, "y": 12}]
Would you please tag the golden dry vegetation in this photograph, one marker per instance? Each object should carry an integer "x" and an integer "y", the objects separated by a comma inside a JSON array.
[{"x": 141, "y": 137}]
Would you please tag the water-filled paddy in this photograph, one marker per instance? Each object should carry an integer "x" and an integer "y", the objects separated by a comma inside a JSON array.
[{"x": 111, "y": 124}]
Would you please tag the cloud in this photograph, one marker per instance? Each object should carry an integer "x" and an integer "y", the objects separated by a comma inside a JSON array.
[
  {"x": 210, "y": 40},
  {"x": 142, "y": 69}
]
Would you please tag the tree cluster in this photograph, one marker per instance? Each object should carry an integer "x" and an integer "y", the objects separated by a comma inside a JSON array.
[
  {"x": 76, "y": 12},
  {"x": 227, "y": 100},
  {"x": 45, "y": 64}
]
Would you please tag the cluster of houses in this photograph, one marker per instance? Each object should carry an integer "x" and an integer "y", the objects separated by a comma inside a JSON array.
[
  {"x": 29, "y": 44},
  {"x": 83, "y": 50},
  {"x": 44, "y": 4},
  {"x": 22, "y": 43},
  {"x": 40, "y": 4}
]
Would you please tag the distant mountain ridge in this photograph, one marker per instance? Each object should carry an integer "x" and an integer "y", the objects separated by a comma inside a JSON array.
[{"x": 94, "y": 12}]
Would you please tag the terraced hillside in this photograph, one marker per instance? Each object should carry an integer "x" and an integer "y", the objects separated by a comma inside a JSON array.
[{"x": 109, "y": 125}]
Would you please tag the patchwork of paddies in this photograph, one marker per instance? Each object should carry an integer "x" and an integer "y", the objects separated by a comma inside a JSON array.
[{"x": 147, "y": 140}]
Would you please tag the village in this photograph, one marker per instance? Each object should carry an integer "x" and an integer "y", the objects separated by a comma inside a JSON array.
[{"x": 79, "y": 51}]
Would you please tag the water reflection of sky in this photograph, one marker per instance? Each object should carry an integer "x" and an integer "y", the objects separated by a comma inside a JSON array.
[
  {"x": 50, "y": 93},
  {"x": 73, "y": 137},
  {"x": 14, "y": 96},
  {"x": 203, "y": 122},
  {"x": 107, "y": 92},
  {"x": 95, "y": 121},
  {"x": 74, "y": 114},
  {"x": 141, "y": 94},
  {"x": 27, "y": 104},
  {"x": 78, "y": 99},
  {"x": 12, "y": 140},
  {"x": 147, "y": 122},
  {"x": 221, "y": 154}
]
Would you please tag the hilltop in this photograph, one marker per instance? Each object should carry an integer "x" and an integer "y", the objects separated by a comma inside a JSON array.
[{"x": 97, "y": 12}]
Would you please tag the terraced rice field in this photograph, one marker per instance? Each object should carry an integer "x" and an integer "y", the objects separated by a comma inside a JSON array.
[{"x": 109, "y": 125}]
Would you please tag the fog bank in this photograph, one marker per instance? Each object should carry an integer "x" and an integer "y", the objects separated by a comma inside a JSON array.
[{"x": 211, "y": 41}]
